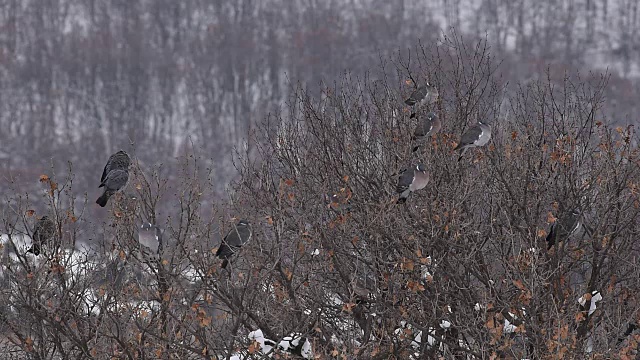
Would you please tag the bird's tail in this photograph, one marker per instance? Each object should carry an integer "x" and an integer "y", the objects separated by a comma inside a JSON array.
[
  {"x": 462, "y": 151},
  {"x": 551, "y": 238},
  {"x": 225, "y": 262},
  {"x": 102, "y": 200},
  {"x": 412, "y": 115}
]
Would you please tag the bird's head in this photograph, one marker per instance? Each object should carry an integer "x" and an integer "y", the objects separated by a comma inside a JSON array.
[
  {"x": 432, "y": 116},
  {"x": 244, "y": 222},
  {"x": 420, "y": 167}
]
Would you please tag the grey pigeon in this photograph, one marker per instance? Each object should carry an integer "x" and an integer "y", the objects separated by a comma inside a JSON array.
[
  {"x": 235, "y": 239},
  {"x": 115, "y": 180},
  {"x": 411, "y": 180},
  {"x": 566, "y": 225},
  {"x": 477, "y": 135},
  {"x": 117, "y": 161},
  {"x": 150, "y": 236},
  {"x": 422, "y": 96},
  {"x": 426, "y": 127},
  {"x": 44, "y": 231}
]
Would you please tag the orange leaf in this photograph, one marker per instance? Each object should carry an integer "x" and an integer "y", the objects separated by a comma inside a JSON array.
[
  {"x": 348, "y": 306},
  {"x": 253, "y": 347},
  {"x": 407, "y": 264},
  {"x": 514, "y": 135},
  {"x": 550, "y": 218},
  {"x": 44, "y": 178},
  {"x": 579, "y": 316},
  {"x": 288, "y": 274},
  {"x": 30, "y": 212},
  {"x": 289, "y": 182},
  {"x": 345, "y": 178},
  {"x": 518, "y": 283},
  {"x": 415, "y": 286},
  {"x": 542, "y": 233},
  {"x": 291, "y": 196},
  {"x": 269, "y": 220}
]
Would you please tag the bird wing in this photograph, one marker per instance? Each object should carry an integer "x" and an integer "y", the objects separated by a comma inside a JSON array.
[
  {"x": 107, "y": 167},
  {"x": 423, "y": 127},
  {"x": 229, "y": 244},
  {"x": 404, "y": 181},
  {"x": 117, "y": 161},
  {"x": 418, "y": 95},
  {"x": 470, "y": 136},
  {"x": 116, "y": 179}
]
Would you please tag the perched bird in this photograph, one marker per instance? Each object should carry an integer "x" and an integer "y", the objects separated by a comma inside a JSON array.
[
  {"x": 44, "y": 231},
  {"x": 235, "y": 239},
  {"x": 477, "y": 135},
  {"x": 422, "y": 96},
  {"x": 411, "y": 180},
  {"x": 115, "y": 180},
  {"x": 564, "y": 227},
  {"x": 150, "y": 236},
  {"x": 426, "y": 127},
  {"x": 117, "y": 161}
]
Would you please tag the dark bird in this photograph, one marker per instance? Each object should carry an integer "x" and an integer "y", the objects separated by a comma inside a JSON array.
[
  {"x": 117, "y": 161},
  {"x": 476, "y": 135},
  {"x": 426, "y": 127},
  {"x": 235, "y": 239},
  {"x": 411, "y": 180},
  {"x": 422, "y": 96},
  {"x": 43, "y": 232},
  {"x": 115, "y": 180},
  {"x": 564, "y": 227}
]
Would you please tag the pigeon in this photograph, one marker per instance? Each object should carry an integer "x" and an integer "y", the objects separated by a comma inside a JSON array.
[
  {"x": 422, "y": 96},
  {"x": 235, "y": 239},
  {"x": 117, "y": 161},
  {"x": 477, "y": 135},
  {"x": 564, "y": 227},
  {"x": 150, "y": 236},
  {"x": 410, "y": 181},
  {"x": 44, "y": 230},
  {"x": 426, "y": 127},
  {"x": 115, "y": 180}
]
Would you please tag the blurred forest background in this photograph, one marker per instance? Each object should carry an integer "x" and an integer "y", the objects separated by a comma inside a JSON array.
[{"x": 81, "y": 79}]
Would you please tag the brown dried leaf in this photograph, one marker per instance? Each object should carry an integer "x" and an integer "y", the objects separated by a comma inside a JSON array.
[
  {"x": 30, "y": 213},
  {"x": 519, "y": 284},
  {"x": 253, "y": 347},
  {"x": 348, "y": 307},
  {"x": 44, "y": 178}
]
